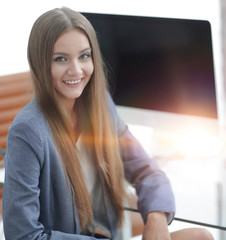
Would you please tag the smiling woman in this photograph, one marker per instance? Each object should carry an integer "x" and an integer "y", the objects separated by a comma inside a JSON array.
[{"x": 73, "y": 150}]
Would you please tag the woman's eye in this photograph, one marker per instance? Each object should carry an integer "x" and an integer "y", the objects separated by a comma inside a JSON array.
[
  {"x": 60, "y": 59},
  {"x": 85, "y": 55}
]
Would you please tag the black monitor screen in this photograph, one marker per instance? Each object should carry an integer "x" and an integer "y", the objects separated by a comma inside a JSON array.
[{"x": 161, "y": 64}]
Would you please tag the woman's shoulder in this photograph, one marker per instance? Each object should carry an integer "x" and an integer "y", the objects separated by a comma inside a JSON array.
[
  {"x": 30, "y": 118},
  {"x": 28, "y": 130}
]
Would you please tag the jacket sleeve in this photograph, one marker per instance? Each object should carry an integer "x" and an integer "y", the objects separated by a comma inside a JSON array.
[
  {"x": 152, "y": 185},
  {"x": 21, "y": 206}
]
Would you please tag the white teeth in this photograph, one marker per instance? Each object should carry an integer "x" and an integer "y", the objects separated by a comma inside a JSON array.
[{"x": 73, "y": 82}]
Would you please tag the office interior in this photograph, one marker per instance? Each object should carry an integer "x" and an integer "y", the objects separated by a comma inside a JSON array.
[{"x": 190, "y": 149}]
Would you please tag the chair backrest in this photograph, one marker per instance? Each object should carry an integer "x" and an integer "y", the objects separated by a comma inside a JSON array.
[{"x": 15, "y": 92}]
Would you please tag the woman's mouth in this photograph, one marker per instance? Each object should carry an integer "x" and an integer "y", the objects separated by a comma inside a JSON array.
[{"x": 72, "y": 82}]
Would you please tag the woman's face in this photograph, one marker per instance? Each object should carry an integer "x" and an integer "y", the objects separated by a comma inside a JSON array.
[{"x": 72, "y": 65}]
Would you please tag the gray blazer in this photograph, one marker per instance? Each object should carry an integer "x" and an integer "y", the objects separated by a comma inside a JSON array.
[{"x": 36, "y": 201}]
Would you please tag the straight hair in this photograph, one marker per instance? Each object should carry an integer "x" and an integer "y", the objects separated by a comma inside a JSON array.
[{"x": 97, "y": 128}]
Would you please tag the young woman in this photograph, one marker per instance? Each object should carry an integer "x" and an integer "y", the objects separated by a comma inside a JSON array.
[{"x": 69, "y": 153}]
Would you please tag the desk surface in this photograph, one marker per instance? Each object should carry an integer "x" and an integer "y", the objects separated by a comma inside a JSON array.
[{"x": 197, "y": 187}]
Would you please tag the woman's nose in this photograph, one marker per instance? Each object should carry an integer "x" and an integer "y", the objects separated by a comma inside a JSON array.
[{"x": 74, "y": 68}]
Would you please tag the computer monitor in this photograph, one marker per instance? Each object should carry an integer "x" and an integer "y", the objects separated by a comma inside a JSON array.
[{"x": 159, "y": 64}]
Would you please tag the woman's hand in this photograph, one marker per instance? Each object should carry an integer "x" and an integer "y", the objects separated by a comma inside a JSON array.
[{"x": 156, "y": 227}]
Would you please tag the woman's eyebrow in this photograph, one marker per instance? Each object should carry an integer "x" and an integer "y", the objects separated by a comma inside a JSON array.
[
  {"x": 65, "y": 54},
  {"x": 60, "y": 53},
  {"x": 86, "y": 49}
]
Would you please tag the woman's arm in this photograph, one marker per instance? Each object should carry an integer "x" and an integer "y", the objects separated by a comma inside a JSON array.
[
  {"x": 156, "y": 227},
  {"x": 152, "y": 186}
]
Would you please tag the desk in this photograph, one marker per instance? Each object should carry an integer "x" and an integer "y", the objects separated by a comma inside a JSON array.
[
  {"x": 198, "y": 190},
  {"x": 198, "y": 194},
  {"x": 196, "y": 186}
]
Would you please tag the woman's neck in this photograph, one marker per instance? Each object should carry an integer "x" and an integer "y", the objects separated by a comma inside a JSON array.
[{"x": 69, "y": 106}]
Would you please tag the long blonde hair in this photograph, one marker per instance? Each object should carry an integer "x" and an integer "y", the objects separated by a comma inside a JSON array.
[{"x": 97, "y": 128}]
